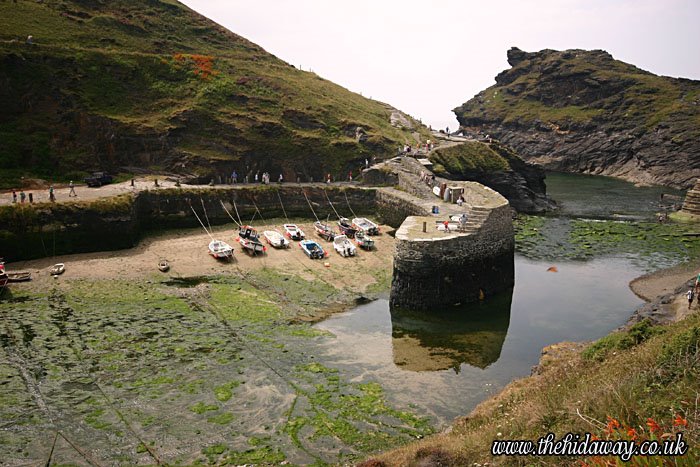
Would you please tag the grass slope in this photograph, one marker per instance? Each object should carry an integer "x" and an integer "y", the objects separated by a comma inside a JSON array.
[
  {"x": 643, "y": 383},
  {"x": 152, "y": 84}
]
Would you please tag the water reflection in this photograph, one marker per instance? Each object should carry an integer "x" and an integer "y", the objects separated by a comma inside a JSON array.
[{"x": 472, "y": 334}]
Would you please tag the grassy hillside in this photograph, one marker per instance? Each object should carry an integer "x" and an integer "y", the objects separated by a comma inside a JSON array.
[
  {"x": 640, "y": 384},
  {"x": 471, "y": 156},
  {"x": 127, "y": 84}
]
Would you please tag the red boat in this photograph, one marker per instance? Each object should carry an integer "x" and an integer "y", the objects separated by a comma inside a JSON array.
[{"x": 3, "y": 275}]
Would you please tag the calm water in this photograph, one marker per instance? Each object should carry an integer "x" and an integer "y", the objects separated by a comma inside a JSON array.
[
  {"x": 444, "y": 366},
  {"x": 604, "y": 197}
]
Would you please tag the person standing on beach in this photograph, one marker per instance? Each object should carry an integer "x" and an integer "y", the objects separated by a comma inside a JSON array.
[
  {"x": 22, "y": 196},
  {"x": 14, "y": 196},
  {"x": 72, "y": 190},
  {"x": 52, "y": 198},
  {"x": 690, "y": 295}
]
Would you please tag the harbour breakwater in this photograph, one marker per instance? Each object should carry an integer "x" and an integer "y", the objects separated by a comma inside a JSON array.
[{"x": 436, "y": 269}]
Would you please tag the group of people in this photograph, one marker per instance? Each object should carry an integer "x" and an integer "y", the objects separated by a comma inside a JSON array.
[
  {"x": 692, "y": 292},
  {"x": 24, "y": 197}
]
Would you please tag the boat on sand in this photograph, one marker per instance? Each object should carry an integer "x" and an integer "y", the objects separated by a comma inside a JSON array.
[
  {"x": 312, "y": 249},
  {"x": 220, "y": 250},
  {"x": 275, "y": 239},
  {"x": 343, "y": 246}
]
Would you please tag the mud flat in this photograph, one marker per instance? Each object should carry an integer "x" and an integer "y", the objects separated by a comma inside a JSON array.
[{"x": 115, "y": 362}]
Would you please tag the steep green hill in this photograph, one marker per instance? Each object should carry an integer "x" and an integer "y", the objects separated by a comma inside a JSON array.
[
  {"x": 584, "y": 111},
  {"x": 124, "y": 85}
]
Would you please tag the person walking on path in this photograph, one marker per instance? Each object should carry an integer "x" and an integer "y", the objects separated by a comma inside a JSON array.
[
  {"x": 281, "y": 179},
  {"x": 447, "y": 226},
  {"x": 72, "y": 190},
  {"x": 14, "y": 196},
  {"x": 690, "y": 295},
  {"x": 52, "y": 197},
  {"x": 234, "y": 177},
  {"x": 22, "y": 196},
  {"x": 350, "y": 176}
]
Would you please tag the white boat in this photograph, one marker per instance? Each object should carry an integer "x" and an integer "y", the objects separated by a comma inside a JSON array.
[
  {"x": 365, "y": 225},
  {"x": 220, "y": 250},
  {"x": 343, "y": 246},
  {"x": 294, "y": 232},
  {"x": 275, "y": 239},
  {"x": 58, "y": 269}
]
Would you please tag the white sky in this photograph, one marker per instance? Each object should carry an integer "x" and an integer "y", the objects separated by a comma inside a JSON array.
[{"x": 428, "y": 57}]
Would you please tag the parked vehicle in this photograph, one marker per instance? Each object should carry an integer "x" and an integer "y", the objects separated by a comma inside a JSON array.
[{"x": 98, "y": 179}]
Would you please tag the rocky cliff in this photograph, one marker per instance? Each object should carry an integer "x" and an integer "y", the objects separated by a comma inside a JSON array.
[
  {"x": 152, "y": 86},
  {"x": 498, "y": 167},
  {"x": 583, "y": 111}
]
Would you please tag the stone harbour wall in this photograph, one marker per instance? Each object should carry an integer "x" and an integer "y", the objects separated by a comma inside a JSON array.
[
  {"x": 453, "y": 269},
  {"x": 49, "y": 229}
]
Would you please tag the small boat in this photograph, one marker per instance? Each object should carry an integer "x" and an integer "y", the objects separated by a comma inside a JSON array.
[
  {"x": 22, "y": 276},
  {"x": 163, "y": 265},
  {"x": 312, "y": 249},
  {"x": 250, "y": 240},
  {"x": 346, "y": 227},
  {"x": 3, "y": 276},
  {"x": 58, "y": 269},
  {"x": 343, "y": 246},
  {"x": 363, "y": 241},
  {"x": 293, "y": 232},
  {"x": 220, "y": 250},
  {"x": 324, "y": 231},
  {"x": 275, "y": 239},
  {"x": 365, "y": 225}
]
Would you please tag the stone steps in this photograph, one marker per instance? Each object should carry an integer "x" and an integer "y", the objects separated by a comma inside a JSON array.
[{"x": 691, "y": 204}]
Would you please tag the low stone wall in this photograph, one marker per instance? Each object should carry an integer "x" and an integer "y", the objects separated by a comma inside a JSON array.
[
  {"x": 394, "y": 206},
  {"x": 48, "y": 229}
]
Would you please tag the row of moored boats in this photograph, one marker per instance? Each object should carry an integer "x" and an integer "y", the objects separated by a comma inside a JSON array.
[{"x": 345, "y": 241}]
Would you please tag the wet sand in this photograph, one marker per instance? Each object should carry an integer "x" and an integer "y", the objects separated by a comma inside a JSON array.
[{"x": 649, "y": 286}]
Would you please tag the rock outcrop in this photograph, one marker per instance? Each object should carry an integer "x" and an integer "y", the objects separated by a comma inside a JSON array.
[
  {"x": 583, "y": 111},
  {"x": 521, "y": 183}
]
